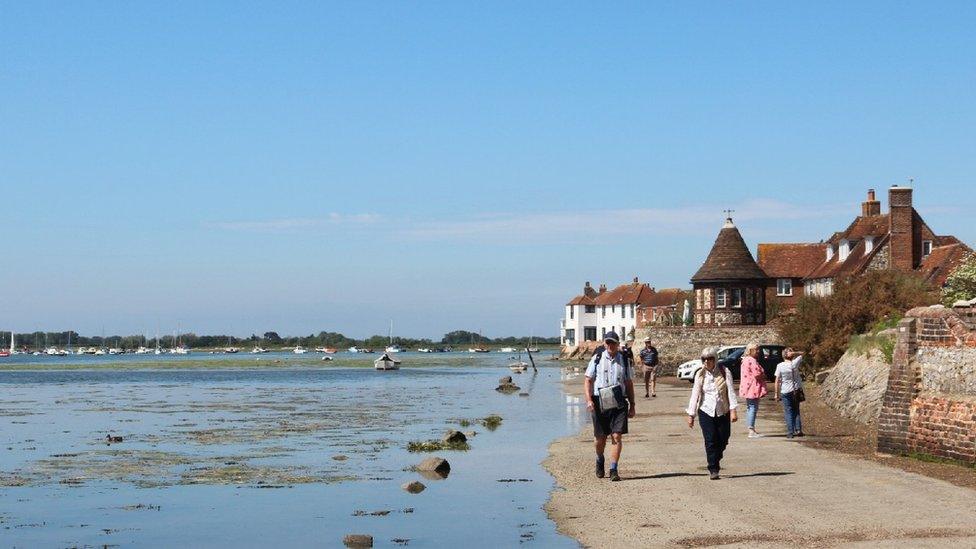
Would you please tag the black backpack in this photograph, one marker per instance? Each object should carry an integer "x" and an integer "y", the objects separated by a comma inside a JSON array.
[{"x": 628, "y": 356}]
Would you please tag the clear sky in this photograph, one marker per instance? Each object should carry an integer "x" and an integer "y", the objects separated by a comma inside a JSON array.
[{"x": 240, "y": 167}]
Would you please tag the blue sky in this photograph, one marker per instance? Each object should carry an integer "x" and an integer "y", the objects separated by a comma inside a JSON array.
[{"x": 240, "y": 167}]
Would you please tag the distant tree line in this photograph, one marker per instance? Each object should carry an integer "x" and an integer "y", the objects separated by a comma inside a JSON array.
[{"x": 40, "y": 340}]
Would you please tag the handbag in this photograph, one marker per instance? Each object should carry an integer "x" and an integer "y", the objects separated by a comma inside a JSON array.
[{"x": 798, "y": 392}]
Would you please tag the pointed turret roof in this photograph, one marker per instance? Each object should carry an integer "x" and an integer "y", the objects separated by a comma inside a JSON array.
[{"x": 730, "y": 258}]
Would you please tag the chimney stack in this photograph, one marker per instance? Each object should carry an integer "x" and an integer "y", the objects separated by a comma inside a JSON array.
[
  {"x": 871, "y": 206},
  {"x": 636, "y": 280},
  {"x": 603, "y": 288},
  {"x": 902, "y": 228}
]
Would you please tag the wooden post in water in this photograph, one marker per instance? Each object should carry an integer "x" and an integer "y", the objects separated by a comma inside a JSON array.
[{"x": 532, "y": 360}]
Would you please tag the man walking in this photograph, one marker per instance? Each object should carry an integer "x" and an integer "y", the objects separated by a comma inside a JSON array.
[
  {"x": 608, "y": 378},
  {"x": 648, "y": 357}
]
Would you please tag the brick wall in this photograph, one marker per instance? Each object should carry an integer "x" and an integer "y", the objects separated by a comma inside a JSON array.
[{"x": 930, "y": 401}]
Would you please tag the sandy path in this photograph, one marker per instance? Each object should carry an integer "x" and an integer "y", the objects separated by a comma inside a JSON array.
[{"x": 773, "y": 491}]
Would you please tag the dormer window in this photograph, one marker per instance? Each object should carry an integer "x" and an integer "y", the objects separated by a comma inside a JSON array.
[
  {"x": 868, "y": 244},
  {"x": 845, "y": 250},
  {"x": 926, "y": 248},
  {"x": 830, "y": 252}
]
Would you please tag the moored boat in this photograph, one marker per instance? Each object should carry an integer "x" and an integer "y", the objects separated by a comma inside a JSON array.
[{"x": 386, "y": 363}]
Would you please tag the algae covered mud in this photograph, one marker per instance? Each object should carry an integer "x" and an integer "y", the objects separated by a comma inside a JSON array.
[{"x": 295, "y": 453}]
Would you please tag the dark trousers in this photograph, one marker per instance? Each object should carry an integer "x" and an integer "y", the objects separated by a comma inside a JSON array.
[{"x": 716, "y": 432}]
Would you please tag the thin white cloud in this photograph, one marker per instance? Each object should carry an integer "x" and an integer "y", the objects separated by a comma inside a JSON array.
[
  {"x": 582, "y": 224},
  {"x": 296, "y": 223}
]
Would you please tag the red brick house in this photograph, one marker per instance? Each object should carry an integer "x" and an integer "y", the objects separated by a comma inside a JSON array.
[
  {"x": 899, "y": 239},
  {"x": 787, "y": 265},
  {"x": 664, "y": 307}
]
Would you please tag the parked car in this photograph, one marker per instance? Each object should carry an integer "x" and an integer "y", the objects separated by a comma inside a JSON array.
[
  {"x": 688, "y": 370},
  {"x": 769, "y": 357}
]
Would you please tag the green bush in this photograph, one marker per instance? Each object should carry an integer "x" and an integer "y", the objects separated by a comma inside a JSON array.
[{"x": 823, "y": 326}]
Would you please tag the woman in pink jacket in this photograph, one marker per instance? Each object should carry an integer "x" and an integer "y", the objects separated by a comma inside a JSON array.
[{"x": 752, "y": 386}]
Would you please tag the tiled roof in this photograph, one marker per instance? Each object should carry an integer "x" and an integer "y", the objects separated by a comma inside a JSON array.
[
  {"x": 856, "y": 262},
  {"x": 791, "y": 260},
  {"x": 938, "y": 265},
  {"x": 871, "y": 225},
  {"x": 666, "y": 297},
  {"x": 729, "y": 259},
  {"x": 635, "y": 292},
  {"x": 581, "y": 300}
]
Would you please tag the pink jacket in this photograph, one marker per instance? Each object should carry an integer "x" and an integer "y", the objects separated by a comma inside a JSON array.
[{"x": 752, "y": 379}]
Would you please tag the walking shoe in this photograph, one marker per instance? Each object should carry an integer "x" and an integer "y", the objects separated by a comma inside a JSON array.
[
  {"x": 646, "y": 395},
  {"x": 654, "y": 395},
  {"x": 753, "y": 434},
  {"x": 600, "y": 471},
  {"x": 713, "y": 475},
  {"x": 614, "y": 477},
  {"x": 800, "y": 434}
]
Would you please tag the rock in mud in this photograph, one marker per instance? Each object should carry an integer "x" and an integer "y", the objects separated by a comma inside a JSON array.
[
  {"x": 358, "y": 540},
  {"x": 454, "y": 437},
  {"x": 414, "y": 487},
  {"x": 508, "y": 388},
  {"x": 436, "y": 465}
]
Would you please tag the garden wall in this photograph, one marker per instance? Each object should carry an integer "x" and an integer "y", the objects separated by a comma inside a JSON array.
[{"x": 930, "y": 401}]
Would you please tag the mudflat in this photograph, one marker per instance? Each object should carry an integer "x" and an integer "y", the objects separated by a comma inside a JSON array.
[{"x": 773, "y": 491}]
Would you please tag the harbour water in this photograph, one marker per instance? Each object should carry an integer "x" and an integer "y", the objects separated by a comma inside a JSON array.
[{"x": 229, "y": 451}]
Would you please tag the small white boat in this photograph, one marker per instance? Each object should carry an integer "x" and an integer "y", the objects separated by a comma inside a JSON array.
[
  {"x": 181, "y": 350},
  {"x": 328, "y": 358},
  {"x": 232, "y": 350},
  {"x": 299, "y": 350},
  {"x": 99, "y": 352},
  {"x": 258, "y": 350},
  {"x": 506, "y": 350},
  {"x": 394, "y": 349},
  {"x": 518, "y": 367},
  {"x": 115, "y": 351},
  {"x": 386, "y": 363},
  {"x": 353, "y": 349},
  {"x": 424, "y": 350}
]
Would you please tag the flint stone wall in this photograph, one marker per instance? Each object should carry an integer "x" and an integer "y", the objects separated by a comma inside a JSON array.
[
  {"x": 677, "y": 344},
  {"x": 856, "y": 386}
]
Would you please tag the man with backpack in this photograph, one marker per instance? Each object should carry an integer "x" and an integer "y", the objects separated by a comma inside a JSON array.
[{"x": 609, "y": 393}]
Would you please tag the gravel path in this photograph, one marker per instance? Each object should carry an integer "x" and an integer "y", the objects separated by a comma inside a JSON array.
[{"x": 773, "y": 491}]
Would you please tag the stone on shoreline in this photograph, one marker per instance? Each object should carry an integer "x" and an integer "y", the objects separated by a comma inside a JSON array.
[
  {"x": 358, "y": 540},
  {"x": 414, "y": 487},
  {"x": 437, "y": 465},
  {"x": 508, "y": 387},
  {"x": 454, "y": 437}
]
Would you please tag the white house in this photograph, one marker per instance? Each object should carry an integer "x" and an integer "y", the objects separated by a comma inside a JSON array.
[{"x": 589, "y": 316}]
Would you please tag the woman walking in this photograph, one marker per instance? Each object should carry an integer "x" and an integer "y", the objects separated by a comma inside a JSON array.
[
  {"x": 713, "y": 401},
  {"x": 752, "y": 386},
  {"x": 789, "y": 389}
]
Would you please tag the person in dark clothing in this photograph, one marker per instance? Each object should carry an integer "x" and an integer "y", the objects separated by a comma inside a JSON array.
[
  {"x": 649, "y": 359},
  {"x": 713, "y": 400}
]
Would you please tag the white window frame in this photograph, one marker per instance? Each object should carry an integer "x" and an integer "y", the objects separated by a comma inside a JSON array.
[
  {"x": 590, "y": 309},
  {"x": 926, "y": 244},
  {"x": 780, "y": 285},
  {"x": 736, "y": 298},
  {"x": 720, "y": 301}
]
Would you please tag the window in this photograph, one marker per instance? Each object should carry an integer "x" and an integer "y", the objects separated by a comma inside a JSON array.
[
  {"x": 613, "y": 309},
  {"x": 589, "y": 333},
  {"x": 737, "y": 297},
  {"x": 633, "y": 310},
  {"x": 926, "y": 247},
  {"x": 784, "y": 286},
  {"x": 570, "y": 336},
  {"x": 623, "y": 311},
  {"x": 603, "y": 311},
  {"x": 603, "y": 332},
  {"x": 590, "y": 309},
  {"x": 572, "y": 311},
  {"x": 720, "y": 298}
]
